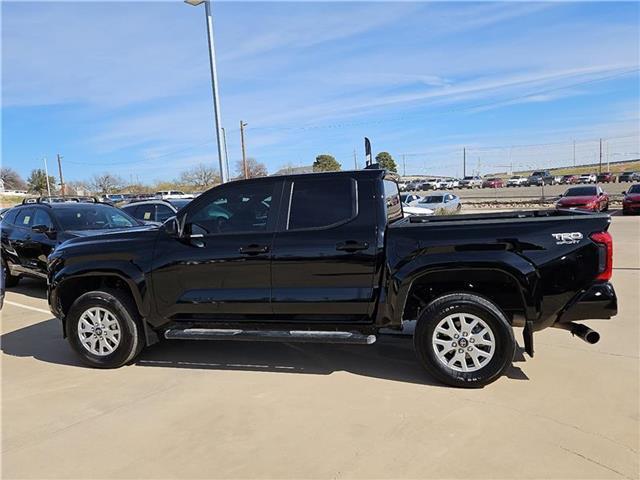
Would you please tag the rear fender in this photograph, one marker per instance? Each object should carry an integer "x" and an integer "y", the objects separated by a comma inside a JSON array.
[{"x": 429, "y": 268}]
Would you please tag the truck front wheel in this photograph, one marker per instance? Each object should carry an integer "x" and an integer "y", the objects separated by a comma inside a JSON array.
[
  {"x": 103, "y": 328},
  {"x": 464, "y": 340}
]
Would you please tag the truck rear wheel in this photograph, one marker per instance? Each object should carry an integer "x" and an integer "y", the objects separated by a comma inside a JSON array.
[
  {"x": 464, "y": 340},
  {"x": 102, "y": 327}
]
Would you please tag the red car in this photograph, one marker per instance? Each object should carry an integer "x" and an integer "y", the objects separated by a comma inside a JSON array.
[
  {"x": 606, "y": 177},
  {"x": 631, "y": 200},
  {"x": 591, "y": 198},
  {"x": 493, "y": 183},
  {"x": 569, "y": 179}
]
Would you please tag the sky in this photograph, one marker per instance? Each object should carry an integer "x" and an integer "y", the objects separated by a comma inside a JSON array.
[{"x": 124, "y": 87}]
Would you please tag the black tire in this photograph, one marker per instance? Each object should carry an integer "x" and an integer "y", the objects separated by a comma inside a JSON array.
[
  {"x": 490, "y": 314},
  {"x": 9, "y": 280},
  {"x": 120, "y": 305}
]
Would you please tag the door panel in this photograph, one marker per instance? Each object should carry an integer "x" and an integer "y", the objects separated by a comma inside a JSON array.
[
  {"x": 221, "y": 267},
  {"x": 325, "y": 272}
]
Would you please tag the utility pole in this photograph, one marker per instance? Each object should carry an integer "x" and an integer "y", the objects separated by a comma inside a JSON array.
[
  {"x": 244, "y": 154},
  {"x": 46, "y": 174},
  {"x": 62, "y": 190},
  {"x": 574, "y": 153},
  {"x": 355, "y": 159},
  {"x": 600, "y": 164},
  {"x": 404, "y": 165},
  {"x": 226, "y": 154},
  {"x": 464, "y": 162}
]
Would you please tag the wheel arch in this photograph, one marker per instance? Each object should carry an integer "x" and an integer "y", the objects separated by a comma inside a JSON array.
[{"x": 501, "y": 286}]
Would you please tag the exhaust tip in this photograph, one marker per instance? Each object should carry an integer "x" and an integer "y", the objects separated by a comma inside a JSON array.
[{"x": 592, "y": 337}]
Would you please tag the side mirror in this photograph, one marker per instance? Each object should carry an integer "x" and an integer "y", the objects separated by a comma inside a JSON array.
[
  {"x": 624, "y": 192},
  {"x": 561, "y": 195}
]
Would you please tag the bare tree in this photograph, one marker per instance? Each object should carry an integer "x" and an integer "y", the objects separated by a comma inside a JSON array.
[
  {"x": 200, "y": 177},
  {"x": 254, "y": 168},
  {"x": 12, "y": 179},
  {"x": 106, "y": 183}
]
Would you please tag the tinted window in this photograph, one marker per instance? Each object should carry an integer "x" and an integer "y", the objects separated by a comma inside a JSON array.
[
  {"x": 41, "y": 217},
  {"x": 24, "y": 217},
  {"x": 634, "y": 189},
  {"x": 93, "y": 217},
  {"x": 432, "y": 199},
  {"x": 581, "y": 191},
  {"x": 243, "y": 207},
  {"x": 163, "y": 212},
  {"x": 392, "y": 201},
  {"x": 145, "y": 212},
  {"x": 10, "y": 216},
  {"x": 320, "y": 203}
]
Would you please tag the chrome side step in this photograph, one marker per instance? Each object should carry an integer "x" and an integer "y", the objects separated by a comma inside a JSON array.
[{"x": 309, "y": 336}]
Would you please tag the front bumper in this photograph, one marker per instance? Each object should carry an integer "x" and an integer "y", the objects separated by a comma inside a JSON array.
[{"x": 598, "y": 302}]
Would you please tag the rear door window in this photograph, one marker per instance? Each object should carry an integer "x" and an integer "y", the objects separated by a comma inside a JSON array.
[
  {"x": 322, "y": 203},
  {"x": 24, "y": 217},
  {"x": 163, "y": 212}
]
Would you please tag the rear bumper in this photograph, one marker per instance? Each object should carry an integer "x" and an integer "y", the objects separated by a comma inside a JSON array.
[{"x": 598, "y": 302}]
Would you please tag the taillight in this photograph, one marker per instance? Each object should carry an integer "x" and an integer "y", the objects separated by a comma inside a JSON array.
[{"x": 605, "y": 254}]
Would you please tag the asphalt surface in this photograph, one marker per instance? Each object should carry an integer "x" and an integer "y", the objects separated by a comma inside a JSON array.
[{"x": 251, "y": 410}]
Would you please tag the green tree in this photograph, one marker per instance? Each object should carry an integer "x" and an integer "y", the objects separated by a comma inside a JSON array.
[
  {"x": 37, "y": 182},
  {"x": 387, "y": 162},
  {"x": 326, "y": 163}
]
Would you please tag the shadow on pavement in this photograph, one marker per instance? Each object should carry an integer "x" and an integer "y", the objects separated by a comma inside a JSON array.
[
  {"x": 31, "y": 287},
  {"x": 391, "y": 357}
]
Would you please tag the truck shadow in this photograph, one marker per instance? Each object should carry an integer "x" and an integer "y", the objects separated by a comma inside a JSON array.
[
  {"x": 390, "y": 358},
  {"x": 31, "y": 287}
]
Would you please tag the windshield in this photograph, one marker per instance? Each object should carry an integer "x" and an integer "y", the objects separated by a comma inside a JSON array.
[
  {"x": 432, "y": 199},
  {"x": 537, "y": 174},
  {"x": 634, "y": 189},
  {"x": 468, "y": 178},
  {"x": 581, "y": 192},
  {"x": 94, "y": 217}
]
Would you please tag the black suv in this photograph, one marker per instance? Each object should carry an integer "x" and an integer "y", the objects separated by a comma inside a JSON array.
[{"x": 30, "y": 232}]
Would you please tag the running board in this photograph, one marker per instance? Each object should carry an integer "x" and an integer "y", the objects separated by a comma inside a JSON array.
[{"x": 317, "y": 336}]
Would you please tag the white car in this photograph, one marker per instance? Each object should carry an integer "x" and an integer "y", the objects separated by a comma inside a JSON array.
[
  {"x": 587, "y": 178},
  {"x": 471, "y": 182},
  {"x": 450, "y": 183},
  {"x": 439, "y": 201},
  {"x": 410, "y": 211},
  {"x": 517, "y": 181},
  {"x": 172, "y": 195},
  {"x": 409, "y": 198}
]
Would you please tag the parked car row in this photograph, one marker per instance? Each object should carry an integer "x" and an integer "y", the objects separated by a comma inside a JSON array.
[{"x": 537, "y": 178}]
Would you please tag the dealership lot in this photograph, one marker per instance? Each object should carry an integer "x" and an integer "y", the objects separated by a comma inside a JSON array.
[{"x": 236, "y": 410}]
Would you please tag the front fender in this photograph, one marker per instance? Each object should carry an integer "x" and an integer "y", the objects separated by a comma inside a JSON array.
[{"x": 132, "y": 275}]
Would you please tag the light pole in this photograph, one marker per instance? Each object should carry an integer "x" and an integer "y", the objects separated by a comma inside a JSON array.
[{"x": 224, "y": 174}]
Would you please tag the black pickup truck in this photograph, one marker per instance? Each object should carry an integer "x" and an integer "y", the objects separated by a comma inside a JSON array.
[{"x": 329, "y": 258}]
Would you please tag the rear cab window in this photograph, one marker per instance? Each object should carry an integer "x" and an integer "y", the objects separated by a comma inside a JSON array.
[{"x": 322, "y": 203}]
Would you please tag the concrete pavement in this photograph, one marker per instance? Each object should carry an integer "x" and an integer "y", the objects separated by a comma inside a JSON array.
[{"x": 247, "y": 410}]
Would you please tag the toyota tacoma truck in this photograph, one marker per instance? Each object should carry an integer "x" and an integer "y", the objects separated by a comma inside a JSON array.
[{"x": 329, "y": 257}]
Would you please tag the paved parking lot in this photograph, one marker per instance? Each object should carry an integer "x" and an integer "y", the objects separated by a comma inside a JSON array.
[{"x": 236, "y": 410}]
